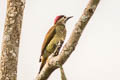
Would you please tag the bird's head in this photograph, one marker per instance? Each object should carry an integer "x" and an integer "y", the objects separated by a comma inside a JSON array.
[{"x": 61, "y": 19}]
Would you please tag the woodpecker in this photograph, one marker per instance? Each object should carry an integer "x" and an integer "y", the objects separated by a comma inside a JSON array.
[{"x": 55, "y": 34}]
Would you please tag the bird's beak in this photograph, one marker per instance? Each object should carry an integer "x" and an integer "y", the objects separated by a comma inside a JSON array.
[{"x": 68, "y": 18}]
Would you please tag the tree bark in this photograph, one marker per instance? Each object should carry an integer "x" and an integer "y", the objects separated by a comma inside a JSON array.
[
  {"x": 54, "y": 62},
  {"x": 11, "y": 38}
]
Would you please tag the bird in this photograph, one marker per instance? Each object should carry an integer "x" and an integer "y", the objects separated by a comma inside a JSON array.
[{"x": 54, "y": 35}]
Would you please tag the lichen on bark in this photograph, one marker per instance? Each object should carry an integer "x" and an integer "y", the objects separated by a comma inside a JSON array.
[
  {"x": 11, "y": 38},
  {"x": 69, "y": 47}
]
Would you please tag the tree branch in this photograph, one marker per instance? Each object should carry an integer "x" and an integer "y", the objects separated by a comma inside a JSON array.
[
  {"x": 69, "y": 47},
  {"x": 63, "y": 77},
  {"x": 11, "y": 38}
]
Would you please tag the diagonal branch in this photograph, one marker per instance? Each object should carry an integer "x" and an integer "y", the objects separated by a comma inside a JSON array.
[{"x": 54, "y": 62}]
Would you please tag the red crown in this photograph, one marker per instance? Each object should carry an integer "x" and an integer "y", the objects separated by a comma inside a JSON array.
[{"x": 57, "y": 18}]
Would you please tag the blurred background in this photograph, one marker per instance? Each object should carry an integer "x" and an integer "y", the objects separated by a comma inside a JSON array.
[{"x": 97, "y": 55}]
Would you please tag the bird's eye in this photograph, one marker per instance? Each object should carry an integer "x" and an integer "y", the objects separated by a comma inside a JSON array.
[{"x": 64, "y": 16}]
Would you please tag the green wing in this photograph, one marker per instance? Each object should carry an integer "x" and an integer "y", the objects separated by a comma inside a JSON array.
[{"x": 50, "y": 34}]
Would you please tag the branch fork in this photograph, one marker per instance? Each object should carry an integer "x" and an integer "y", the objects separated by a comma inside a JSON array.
[{"x": 54, "y": 61}]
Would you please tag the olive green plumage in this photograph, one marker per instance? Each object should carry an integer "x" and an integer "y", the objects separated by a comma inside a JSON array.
[
  {"x": 58, "y": 34},
  {"x": 55, "y": 34}
]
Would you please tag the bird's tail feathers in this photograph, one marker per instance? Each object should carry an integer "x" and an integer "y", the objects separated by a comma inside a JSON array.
[{"x": 42, "y": 64}]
